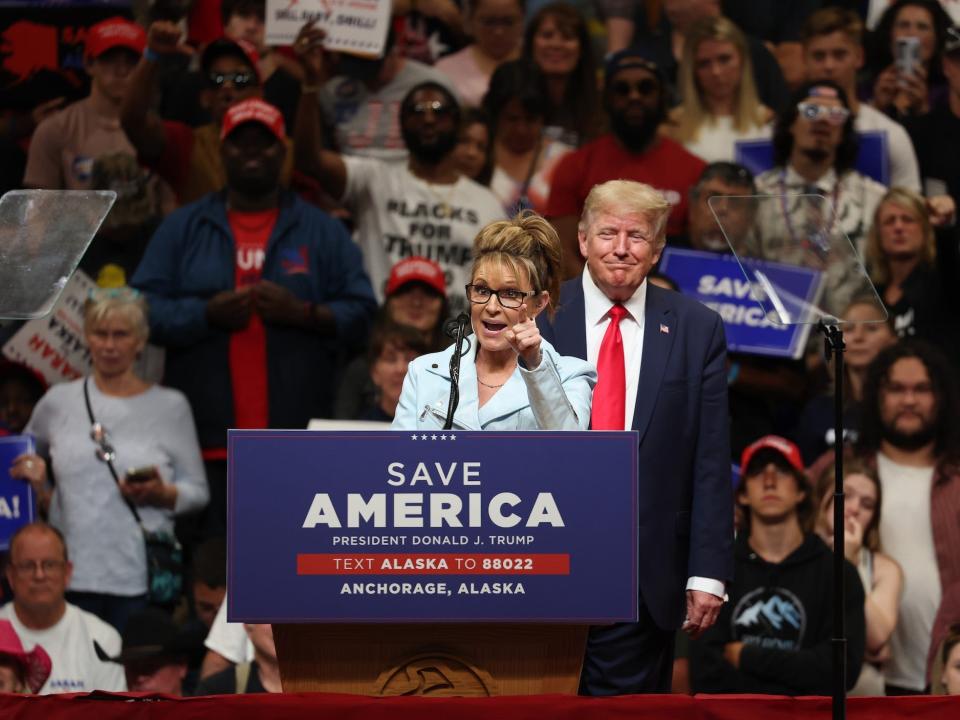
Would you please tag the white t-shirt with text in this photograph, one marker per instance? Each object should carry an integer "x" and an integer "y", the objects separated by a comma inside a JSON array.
[
  {"x": 399, "y": 215},
  {"x": 69, "y": 643}
]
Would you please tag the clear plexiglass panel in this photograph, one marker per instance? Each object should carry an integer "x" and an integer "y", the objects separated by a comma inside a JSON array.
[{"x": 43, "y": 235}]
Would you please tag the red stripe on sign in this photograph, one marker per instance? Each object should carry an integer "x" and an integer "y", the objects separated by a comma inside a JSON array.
[{"x": 432, "y": 564}]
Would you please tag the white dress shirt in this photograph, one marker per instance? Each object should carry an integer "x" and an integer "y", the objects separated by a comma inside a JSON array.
[{"x": 596, "y": 311}]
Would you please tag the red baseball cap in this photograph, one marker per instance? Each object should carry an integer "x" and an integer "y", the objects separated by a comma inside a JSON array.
[
  {"x": 772, "y": 442},
  {"x": 239, "y": 48},
  {"x": 114, "y": 32},
  {"x": 253, "y": 110},
  {"x": 416, "y": 269}
]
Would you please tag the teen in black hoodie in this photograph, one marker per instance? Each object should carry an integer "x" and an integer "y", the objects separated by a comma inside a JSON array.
[{"x": 773, "y": 636}]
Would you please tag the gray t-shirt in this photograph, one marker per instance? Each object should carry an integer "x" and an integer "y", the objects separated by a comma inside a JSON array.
[
  {"x": 153, "y": 428},
  {"x": 367, "y": 123}
]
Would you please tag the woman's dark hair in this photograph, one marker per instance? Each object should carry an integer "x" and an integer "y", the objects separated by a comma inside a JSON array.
[
  {"x": 477, "y": 116},
  {"x": 244, "y": 8},
  {"x": 783, "y": 137},
  {"x": 388, "y": 333},
  {"x": 880, "y": 51},
  {"x": 515, "y": 80},
  {"x": 950, "y": 642},
  {"x": 945, "y": 392},
  {"x": 435, "y": 337},
  {"x": 581, "y": 98}
]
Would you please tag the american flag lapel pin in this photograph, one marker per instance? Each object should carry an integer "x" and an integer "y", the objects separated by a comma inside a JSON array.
[{"x": 664, "y": 329}]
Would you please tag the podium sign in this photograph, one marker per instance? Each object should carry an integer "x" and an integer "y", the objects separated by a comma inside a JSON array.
[{"x": 419, "y": 527}]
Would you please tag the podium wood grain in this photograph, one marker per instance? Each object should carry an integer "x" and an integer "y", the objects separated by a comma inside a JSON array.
[{"x": 438, "y": 660}]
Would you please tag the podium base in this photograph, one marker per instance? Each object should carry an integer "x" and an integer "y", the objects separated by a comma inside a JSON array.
[{"x": 436, "y": 660}]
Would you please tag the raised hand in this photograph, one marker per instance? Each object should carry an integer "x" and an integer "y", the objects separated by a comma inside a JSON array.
[
  {"x": 524, "y": 338},
  {"x": 165, "y": 38},
  {"x": 309, "y": 49},
  {"x": 852, "y": 539}
]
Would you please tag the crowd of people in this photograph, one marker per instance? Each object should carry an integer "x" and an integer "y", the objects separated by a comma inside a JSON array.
[{"x": 294, "y": 226}]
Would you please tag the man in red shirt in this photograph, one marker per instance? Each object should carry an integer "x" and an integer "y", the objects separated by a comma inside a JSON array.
[{"x": 635, "y": 100}]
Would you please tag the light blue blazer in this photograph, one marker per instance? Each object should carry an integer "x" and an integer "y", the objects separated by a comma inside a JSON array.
[{"x": 554, "y": 396}]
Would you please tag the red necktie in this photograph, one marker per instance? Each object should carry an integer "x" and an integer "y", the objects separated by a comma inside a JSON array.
[{"x": 609, "y": 396}]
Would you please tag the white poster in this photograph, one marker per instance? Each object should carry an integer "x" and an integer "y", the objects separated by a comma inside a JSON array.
[
  {"x": 54, "y": 345},
  {"x": 353, "y": 26}
]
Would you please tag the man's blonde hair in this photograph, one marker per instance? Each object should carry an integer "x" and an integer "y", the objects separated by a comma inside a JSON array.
[{"x": 623, "y": 196}]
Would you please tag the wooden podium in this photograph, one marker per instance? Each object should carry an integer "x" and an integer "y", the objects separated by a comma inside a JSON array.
[{"x": 438, "y": 660}]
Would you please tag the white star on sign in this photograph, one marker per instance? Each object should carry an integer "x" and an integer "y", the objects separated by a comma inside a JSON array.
[
  {"x": 423, "y": 437},
  {"x": 413, "y": 437},
  {"x": 443, "y": 437},
  {"x": 453, "y": 437},
  {"x": 433, "y": 437}
]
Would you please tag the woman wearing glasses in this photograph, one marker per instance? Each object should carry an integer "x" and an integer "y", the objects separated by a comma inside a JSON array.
[
  {"x": 145, "y": 432},
  {"x": 510, "y": 378}
]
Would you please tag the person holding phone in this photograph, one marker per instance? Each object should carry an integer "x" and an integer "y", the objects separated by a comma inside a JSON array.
[
  {"x": 908, "y": 77},
  {"x": 140, "y": 426}
]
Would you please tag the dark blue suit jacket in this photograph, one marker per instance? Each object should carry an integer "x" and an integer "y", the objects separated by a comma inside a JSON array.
[{"x": 686, "y": 498}]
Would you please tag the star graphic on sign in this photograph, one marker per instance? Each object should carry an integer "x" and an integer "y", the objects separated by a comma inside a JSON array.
[
  {"x": 413, "y": 437},
  {"x": 436, "y": 46},
  {"x": 453, "y": 437},
  {"x": 443, "y": 437},
  {"x": 433, "y": 437},
  {"x": 423, "y": 437}
]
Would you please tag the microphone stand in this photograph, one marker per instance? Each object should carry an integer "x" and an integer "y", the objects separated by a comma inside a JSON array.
[
  {"x": 833, "y": 337},
  {"x": 462, "y": 321}
]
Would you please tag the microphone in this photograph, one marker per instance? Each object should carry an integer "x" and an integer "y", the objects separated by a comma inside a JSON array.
[
  {"x": 455, "y": 326},
  {"x": 455, "y": 329}
]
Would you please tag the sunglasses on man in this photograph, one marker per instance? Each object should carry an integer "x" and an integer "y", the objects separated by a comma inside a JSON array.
[
  {"x": 239, "y": 80},
  {"x": 646, "y": 88},
  {"x": 833, "y": 114}
]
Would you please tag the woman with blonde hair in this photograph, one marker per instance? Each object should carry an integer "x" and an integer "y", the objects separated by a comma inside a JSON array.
[
  {"x": 719, "y": 97},
  {"x": 510, "y": 378},
  {"x": 901, "y": 258},
  {"x": 125, "y": 456}
]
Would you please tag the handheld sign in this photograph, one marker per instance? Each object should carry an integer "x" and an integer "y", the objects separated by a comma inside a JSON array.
[
  {"x": 873, "y": 155},
  {"x": 432, "y": 526},
  {"x": 353, "y": 26},
  {"x": 717, "y": 281},
  {"x": 16, "y": 496}
]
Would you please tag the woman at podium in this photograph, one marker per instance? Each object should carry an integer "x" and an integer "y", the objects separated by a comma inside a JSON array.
[{"x": 510, "y": 377}]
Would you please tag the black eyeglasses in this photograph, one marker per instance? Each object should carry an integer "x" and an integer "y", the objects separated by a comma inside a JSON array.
[
  {"x": 436, "y": 107},
  {"x": 507, "y": 297},
  {"x": 104, "y": 450},
  {"x": 240, "y": 80},
  {"x": 622, "y": 88}
]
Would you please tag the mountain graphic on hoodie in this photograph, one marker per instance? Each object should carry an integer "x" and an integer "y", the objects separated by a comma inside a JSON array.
[{"x": 773, "y": 612}]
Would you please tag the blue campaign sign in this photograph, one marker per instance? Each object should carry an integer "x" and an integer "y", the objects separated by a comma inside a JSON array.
[
  {"x": 717, "y": 281},
  {"x": 873, "y": 158},
  {"x": 399, "y": 526},
  {"x": 16, "y": 496}
]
